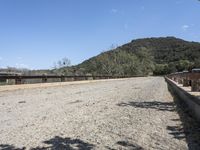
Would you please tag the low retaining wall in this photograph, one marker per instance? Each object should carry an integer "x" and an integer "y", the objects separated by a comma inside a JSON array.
[
  {"x": 22, "y": 79},
  {"x": 191, "y": 101}
]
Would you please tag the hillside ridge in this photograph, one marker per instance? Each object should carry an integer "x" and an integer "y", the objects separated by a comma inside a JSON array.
[
  {"x": 146, "y": 56},
  {"x": 156, "y": 56}
]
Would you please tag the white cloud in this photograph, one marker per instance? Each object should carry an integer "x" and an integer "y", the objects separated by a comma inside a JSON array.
[
  {"x": 185, "y": 27},
  {"x": 21, "y": 65},
  {"x": 114, "y": 10}
]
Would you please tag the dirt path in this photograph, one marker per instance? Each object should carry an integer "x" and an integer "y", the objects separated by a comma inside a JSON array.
[{"x": 137, "y": 113}]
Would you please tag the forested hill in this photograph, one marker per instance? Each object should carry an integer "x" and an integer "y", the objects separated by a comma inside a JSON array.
[
  {"x": 147, "y": 56},
  {"x": 143, "y": 57}
]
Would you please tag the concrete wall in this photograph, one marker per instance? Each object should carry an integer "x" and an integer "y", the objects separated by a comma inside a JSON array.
[{"x": 192, "y": 102}]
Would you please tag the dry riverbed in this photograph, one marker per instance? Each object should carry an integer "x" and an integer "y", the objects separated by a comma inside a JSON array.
[{"x": 135, "y": 113}]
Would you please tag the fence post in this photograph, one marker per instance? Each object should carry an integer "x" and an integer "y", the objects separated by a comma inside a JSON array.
[
  {"x": 175, "y": 78},
  {"x": 186, "y": 80},
  {"x": 180, "y": 78},
  {"x": 75, "y": 78},
  {"x": 62, "y": 78},
  {"x": 44, "y": 79},
  {"x": 18, "y": 81},
  {"x": 72, "y": 79},
  {"x": 195, "y": 85}
]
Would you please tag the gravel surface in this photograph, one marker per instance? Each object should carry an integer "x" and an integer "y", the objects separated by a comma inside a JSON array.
[{"x": 135, "y": 113}]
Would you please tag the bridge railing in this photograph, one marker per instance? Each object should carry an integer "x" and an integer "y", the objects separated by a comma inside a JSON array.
[
  {"x": 19, "y": 79},
  {"x": 187, "y": 79}
]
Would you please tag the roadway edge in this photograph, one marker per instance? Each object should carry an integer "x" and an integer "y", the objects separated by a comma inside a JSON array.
[{"x": 192, "y": 102}]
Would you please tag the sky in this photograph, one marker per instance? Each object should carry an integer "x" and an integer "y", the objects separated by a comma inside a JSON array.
[{"x": 36, "y": 33}]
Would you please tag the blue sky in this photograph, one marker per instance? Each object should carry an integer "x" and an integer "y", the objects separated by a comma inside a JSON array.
[{"x": 37, "y": 33}]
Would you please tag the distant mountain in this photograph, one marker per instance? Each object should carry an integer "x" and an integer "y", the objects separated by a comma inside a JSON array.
[{"x": 146, "y": 56}]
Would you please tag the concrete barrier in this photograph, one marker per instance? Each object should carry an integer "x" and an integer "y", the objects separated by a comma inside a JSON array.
[
  {"x": 191, "y": 101},
  {"x": 21, "y": 79}
]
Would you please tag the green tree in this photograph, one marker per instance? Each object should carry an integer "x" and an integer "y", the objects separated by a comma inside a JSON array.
[
  {"x": 161, "y": 69},
  {"x": 183, "y": 65}
]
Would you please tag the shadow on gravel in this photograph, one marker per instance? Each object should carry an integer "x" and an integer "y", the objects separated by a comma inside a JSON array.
[
  {"x": 189, "y": 127},
  {"x": 161, "y": 106},
  {"x": 77, "y": 101},
  {"x": 56, "y": 143},
  {"x": 10, "y": 147},
  {"x": 127, "y": 145}
]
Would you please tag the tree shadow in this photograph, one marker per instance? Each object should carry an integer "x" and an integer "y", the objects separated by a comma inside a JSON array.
[
  {"x": 160, "y": 106},
  {"x": 177, "y": 131},
  {"x": 189, "y": 127},
  {"x": 65, "y": 143},
  {"x": 10, "y": 147},
  {"x": 56, "y": 143},
  {"x": 127, "y": 145}
]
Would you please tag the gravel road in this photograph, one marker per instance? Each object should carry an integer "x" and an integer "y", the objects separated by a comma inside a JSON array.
[{"x": 135, "y": 113}]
